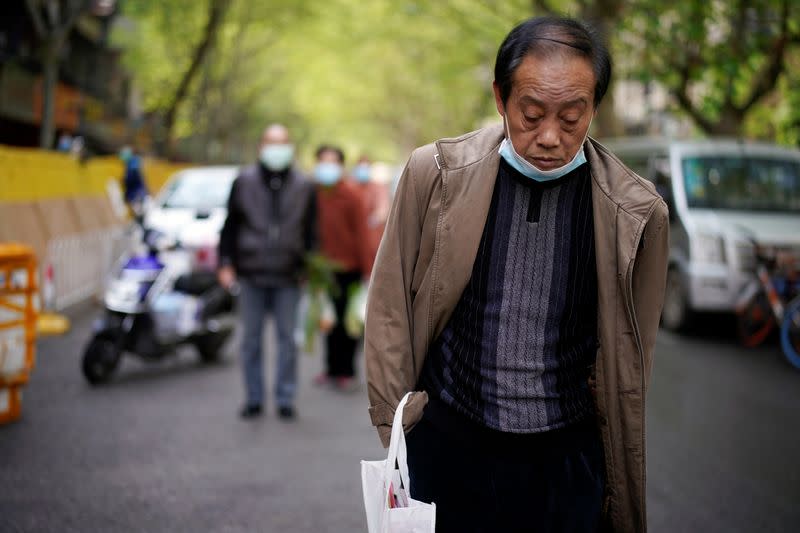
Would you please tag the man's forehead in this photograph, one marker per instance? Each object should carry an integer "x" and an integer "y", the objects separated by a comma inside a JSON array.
[
  {"x": 275, "y": 133},
  {"x": 567, "y": 77}
]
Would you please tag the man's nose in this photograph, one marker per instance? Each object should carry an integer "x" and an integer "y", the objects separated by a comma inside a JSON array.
[{"x": 548, "y": 136}]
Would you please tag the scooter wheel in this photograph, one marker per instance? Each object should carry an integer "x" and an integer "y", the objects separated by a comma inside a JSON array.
[
  {"x": 209, "y": 346},
  {"x": 100, "y": 360}
]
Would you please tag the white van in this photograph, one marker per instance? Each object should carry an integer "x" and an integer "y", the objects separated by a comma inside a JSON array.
[
  {"x": 192, "y": 207},
  {"x": 724, "y": 196}
]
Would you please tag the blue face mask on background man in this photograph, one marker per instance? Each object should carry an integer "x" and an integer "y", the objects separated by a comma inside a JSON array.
[
  {"x": 327, "y": 173},
  {"x": 276, "y": 157},
  {"x": 527, "y": 169}
]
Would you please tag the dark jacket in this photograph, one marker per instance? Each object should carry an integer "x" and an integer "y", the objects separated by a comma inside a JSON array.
[{"x": 271, "y": 225}]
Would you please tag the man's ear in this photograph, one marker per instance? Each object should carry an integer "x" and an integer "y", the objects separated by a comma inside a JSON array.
[{"x": 498, "y": 99}]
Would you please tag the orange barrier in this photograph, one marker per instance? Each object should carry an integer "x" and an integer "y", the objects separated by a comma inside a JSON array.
[{"x": 17, "y": 325}]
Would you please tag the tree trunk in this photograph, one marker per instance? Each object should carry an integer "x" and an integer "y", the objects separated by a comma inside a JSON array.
[
  {"x": 52, "y": 42},
  {"x": 603, "y": 15},
  {"x": 47, "y": 129},
  {"x": 729, "y": 124},
  {"x": 216, "y": 12}
]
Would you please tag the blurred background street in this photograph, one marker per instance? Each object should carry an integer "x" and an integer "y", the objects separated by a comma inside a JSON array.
[{"x": 161, "y": 449}]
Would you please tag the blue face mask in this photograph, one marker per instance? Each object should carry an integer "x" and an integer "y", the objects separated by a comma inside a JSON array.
[
  {"x": 277, "y": 157},
  {"x": 328, "y": 173},
  {"x": 361, "y": 173},
  {"x": 527, "y": 169}
]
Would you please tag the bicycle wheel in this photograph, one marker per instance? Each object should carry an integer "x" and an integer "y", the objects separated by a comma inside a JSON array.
[
  {"x": 755, "y": 322},
  {"x": 790, "y": 333}
]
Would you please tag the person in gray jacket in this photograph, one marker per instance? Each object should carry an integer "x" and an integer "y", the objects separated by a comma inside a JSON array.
[{"x": 270, "y": 227}]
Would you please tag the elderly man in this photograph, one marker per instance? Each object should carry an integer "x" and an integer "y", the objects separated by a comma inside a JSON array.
[
  {"x": 271, "y": 225},
  {"x": 518, "y": 290}
]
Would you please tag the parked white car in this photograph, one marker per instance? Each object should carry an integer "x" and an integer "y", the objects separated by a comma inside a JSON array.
[
  {"x": 191, "y": 208},
  {"x": 724, "y": 196}
]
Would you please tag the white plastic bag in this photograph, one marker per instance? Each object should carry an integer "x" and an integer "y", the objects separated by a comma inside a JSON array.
[
  {"x": 315, "y": 314},
  {"x": 380, "y": 480}
]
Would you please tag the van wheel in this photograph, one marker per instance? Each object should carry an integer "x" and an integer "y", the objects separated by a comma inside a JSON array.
[{"x": 676, "y": 313}]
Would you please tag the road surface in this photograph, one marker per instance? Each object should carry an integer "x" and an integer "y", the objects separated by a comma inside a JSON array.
[{"x": 162, "y": 447}]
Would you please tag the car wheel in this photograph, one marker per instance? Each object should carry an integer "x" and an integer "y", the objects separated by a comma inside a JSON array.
[{"x": 675, "y": 315}]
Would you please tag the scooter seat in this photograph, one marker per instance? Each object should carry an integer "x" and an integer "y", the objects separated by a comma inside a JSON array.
[{"x": 196, "y": 283}]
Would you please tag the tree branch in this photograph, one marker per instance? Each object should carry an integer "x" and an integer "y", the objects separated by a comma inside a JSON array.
[
  {"x": 681, "y": 94},
  {"x": 738, "y": 20},
  {"x": 216, "y": 13},
  {"x": 36, "y": 18},
  {"x": 77, "y": 9},
  {"x": 766, "y": 80}
]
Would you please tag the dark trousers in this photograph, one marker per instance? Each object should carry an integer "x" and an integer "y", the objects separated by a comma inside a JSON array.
[
  {"x": 551, "y": 482},
  {"x": 341, "y": 347}
]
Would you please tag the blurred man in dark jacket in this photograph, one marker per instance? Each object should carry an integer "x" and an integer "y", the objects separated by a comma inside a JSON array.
[{"x": 269, "y": 229}]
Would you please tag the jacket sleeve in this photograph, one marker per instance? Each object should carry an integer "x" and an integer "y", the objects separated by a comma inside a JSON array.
[
  {"x": 388, "y": 338},
  {"x": 366, "y": 251},
  {"x": 227, "y": 237},
  {"x": 649, "y": 281}
]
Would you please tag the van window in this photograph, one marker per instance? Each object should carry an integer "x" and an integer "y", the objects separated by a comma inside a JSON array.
[{"x": 745, "y": 183}]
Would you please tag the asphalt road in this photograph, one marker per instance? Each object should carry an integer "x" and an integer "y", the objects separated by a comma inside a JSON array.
[{"x": 161, "y": 448}]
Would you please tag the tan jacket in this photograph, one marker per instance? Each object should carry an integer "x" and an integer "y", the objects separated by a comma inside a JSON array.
[{"x": 425, "y": 261}]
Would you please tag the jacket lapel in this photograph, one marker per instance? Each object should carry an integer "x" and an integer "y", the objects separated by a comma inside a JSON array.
[{"x": 466, "y": 199}]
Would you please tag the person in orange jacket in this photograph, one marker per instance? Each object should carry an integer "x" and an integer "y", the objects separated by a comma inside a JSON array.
[{"x": 345, "y": 240}]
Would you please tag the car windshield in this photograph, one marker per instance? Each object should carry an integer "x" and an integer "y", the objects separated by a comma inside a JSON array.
[
  {"x": 743, "y": 183},
  {"x": 199, "y": 189}
]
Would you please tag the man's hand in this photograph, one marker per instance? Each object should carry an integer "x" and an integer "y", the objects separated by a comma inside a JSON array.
[{"x": 226, "y": 277}]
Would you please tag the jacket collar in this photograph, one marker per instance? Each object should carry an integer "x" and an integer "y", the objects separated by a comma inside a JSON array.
[
  {"x": 470, "y": 148},
  {"x": 618, "y": 183}
]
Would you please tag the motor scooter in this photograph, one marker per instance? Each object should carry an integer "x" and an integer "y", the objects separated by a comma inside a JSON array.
[{"x": 154, "y": 303}]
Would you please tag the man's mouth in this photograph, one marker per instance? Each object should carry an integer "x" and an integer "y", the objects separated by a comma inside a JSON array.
[{"x": 545, "y": 163}]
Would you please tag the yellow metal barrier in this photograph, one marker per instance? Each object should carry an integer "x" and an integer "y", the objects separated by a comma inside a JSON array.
[
  {"x": 17, "y": 325},
  {"x": 28, "y": 174},
  {"x": 46, "y": 199}
]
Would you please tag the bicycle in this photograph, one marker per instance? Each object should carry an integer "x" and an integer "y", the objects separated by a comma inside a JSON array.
[{"x": 770, "y": 301}]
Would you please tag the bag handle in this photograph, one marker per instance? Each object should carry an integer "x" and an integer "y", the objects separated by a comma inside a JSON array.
[{"x": 398, "y": 453}]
